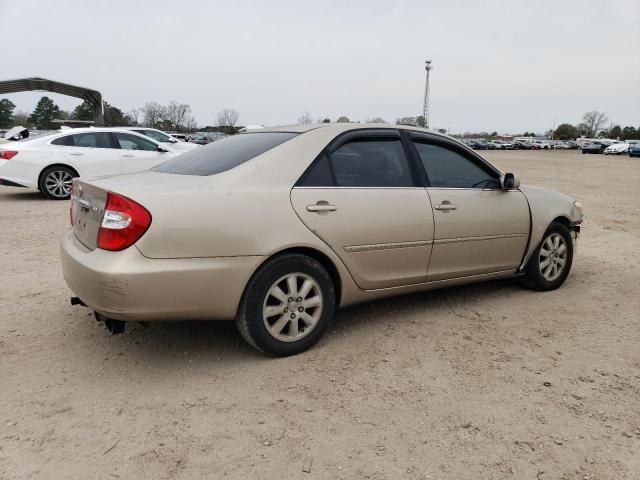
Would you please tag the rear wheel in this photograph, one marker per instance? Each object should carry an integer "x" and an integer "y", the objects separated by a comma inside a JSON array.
[
  {"x": 287, "y": 305},
  {"x": 55, "y": 182},
  {"x": 550, "y": 264}
]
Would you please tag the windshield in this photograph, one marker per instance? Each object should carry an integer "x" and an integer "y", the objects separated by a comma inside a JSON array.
[{"x": 224, "y": 154}]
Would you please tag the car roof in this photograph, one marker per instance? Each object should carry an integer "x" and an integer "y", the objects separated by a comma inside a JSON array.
[{"x": 345, "y": 127}]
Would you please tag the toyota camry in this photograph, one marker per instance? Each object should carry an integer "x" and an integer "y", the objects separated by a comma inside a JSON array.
[{"x": 277, "y": 228}]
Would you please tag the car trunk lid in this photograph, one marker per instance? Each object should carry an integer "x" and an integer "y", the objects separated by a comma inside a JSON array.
[{"x": 87, "y": 208}]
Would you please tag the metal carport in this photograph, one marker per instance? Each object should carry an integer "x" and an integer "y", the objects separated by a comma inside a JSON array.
[{"x": 92, "y": 97}]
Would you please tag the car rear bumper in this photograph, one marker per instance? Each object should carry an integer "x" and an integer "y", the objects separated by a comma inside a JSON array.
[
  {"x": 129, "y": 286},
  {"x": 16, "y": 174}
]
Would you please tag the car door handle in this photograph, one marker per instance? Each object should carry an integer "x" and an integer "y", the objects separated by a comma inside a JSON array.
[
  {"x": 76, "y": 154},
  {"x": 128, "y": 156},
  {"x": 446, "y": 206},
  {"x": 321, "y": 206}
]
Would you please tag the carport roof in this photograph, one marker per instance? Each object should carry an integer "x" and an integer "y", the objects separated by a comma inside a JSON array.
[{"x": 93, "y": 97}]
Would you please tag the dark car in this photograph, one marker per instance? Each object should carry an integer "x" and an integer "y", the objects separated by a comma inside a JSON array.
[
  {"x": 476, "y": 145},
  {"x": 634, "y": 150},
  {"x": 594, "y": 147},
  {"x": 520, "y": 145},
  {"x": 572, "y": 145}
]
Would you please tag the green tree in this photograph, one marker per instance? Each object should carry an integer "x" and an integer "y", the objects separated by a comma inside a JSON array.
[
  {"x": 84, "y": 111},
  {"x": 45, "y": 112},
  {"x": 113, "y": 117},
  {"x": 6, "y": 113},
  {"x": 343, "y": 119},
  {"x": 614, "y": 132},
  {"x": 326, "y": 120},
  {"x": 565, "y": 131},
  {"x": 420, "y": 121},
  {"x": 630, "y": 133}
]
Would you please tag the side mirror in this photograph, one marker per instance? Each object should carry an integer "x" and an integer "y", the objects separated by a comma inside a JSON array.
[
  {"x": 510, "y": 181},
  {"x": 172, "y": 140},
  {"x": 162, "y": 149}
]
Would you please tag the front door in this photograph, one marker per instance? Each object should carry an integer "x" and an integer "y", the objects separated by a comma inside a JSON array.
[
  {"x": 138, "y": 153},
  {"x": 361, "y": 199},
  {"x": 479, "y": 228}
]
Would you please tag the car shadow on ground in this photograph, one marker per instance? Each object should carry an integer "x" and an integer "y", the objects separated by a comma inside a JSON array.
[
  {"x": 217, "y": 341},
  {"x": 20, "y": 194}
]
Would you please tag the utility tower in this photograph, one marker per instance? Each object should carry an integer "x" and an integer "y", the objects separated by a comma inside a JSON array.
[{"x": 425, "y": 107}]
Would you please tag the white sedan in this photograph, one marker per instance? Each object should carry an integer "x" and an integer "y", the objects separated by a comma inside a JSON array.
[
  {"x": 617, "y": 149},
  {"x": 49, "y": 163},
  {"x": 160, "y": 136}
]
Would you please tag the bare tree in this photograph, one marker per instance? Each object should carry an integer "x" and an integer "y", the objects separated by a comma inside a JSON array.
[
  {"x": 134, "y": 114},
  {"x": 592, "y": 123},
  {"x": 228, "y": 119},
  {"x": 305, "y": 118},
  {"x": 153, "y": 114},
  {"x": 190, "y": 124},
  {"x": 375, "y": 120},
  {"x": 177, "y": 113}
]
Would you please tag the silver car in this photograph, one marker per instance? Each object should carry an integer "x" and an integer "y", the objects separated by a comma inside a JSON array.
[{"x": 277, "y": 228}]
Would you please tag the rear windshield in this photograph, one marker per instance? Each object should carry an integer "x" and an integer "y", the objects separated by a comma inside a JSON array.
[{"x": 224, "y": 154}]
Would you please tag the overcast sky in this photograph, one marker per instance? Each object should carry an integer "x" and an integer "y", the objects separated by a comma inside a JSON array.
[{"x": 508, "y": 66}]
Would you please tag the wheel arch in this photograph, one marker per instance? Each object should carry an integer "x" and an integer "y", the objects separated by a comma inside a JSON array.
[
  {"x": 311, "y": 252},
  {"x": 56, "y": 164}
]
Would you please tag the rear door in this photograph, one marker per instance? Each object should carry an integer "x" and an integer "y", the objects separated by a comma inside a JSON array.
[
  {"x": 138, "y": 153},
  {"x": 479, "y": 228},
  {"x": 92, "y": 153},
  {"x": 361, "y": 198}
]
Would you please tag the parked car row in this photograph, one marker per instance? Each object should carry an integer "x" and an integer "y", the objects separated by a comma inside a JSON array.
[
  {"x": 50, "y": 162},
  {"x": 618, "y": 148},
  {"x": 533, "y": 144}
]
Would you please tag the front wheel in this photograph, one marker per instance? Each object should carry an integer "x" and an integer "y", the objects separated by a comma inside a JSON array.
[
  {"x": 287, "y": 305},
  {"x": 551, "y": 262}
]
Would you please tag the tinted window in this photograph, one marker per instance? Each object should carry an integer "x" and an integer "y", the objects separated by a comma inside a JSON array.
[
  {"x": 448, "y": 168},
  {"x": 157, "y": 136},
  {"x": 67, "y": 141},
  {"x": 86, "y": 140},
  {"x": 319, "y": 175},
  {"x": 371, "y": 163},
  {"x": 127, "y": 141},
  {"x": 224, "y": 154}
]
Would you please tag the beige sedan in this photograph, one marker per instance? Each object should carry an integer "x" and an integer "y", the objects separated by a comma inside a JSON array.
[{"x": 279, "y": 227}]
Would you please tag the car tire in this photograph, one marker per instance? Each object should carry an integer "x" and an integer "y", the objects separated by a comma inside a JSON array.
[
  {"x": 55, "y": 182},
  {"x": 551, "y": 262},
  {"x": 287, "y": 306}
]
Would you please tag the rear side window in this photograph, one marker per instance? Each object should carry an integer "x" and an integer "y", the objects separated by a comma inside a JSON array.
[
  {"x": 86, "y": 140},
  {"x": 371, "y": 163},
  {"x": 224, "y": 154}
]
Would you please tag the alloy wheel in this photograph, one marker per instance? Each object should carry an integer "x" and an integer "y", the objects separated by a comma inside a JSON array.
[
  {"x": 58, "y": 183},
  {"x": 553, "y": 257},
  {"x": 292, "y": 307}
]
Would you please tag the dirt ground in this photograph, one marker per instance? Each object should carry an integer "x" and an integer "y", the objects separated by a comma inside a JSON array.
[{"x": 485, "y": 381}]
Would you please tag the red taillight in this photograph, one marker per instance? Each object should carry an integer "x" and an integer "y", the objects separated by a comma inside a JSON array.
[
  {"x": 123, "y": 223},
  {"x": 7, "y": 154}
]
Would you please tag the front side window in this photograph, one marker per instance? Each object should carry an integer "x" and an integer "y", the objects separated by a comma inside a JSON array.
[
  {"x": 449, "y": 169},
  {"x": 225, "y": 154},
  {"x": 85, "y": 140},
  {"x": 127, "y": 141},
  {"x": 371, "y": 162},
  {"x": 157, "y": 136}
]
